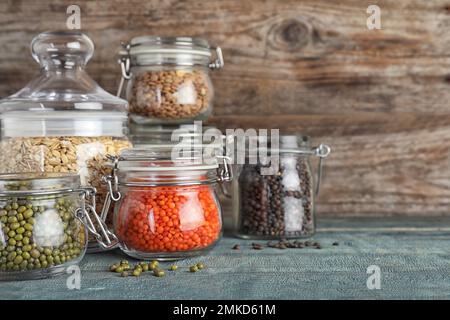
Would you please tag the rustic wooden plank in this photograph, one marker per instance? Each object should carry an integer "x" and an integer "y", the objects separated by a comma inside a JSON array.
[
  {"x": 412, "y": 255},
  {"x": 307, "y": 66},
  {"x": 379, "y": 163}
]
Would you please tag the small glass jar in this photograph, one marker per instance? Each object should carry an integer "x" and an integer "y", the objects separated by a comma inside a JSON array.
[
  {"x": 44, "y": 224},
  {"x": 169, "y": 79},
  {"x": 159, "y": 136},
  {"x": 62, "y": 121},
  {"x": 280, "y": 204},
  {"x": 167, "y": 206}
]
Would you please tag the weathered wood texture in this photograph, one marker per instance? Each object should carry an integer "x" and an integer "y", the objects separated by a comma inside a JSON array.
[
  {"x": 378, "y": 97},
  {"x": 411, "y": 253}
]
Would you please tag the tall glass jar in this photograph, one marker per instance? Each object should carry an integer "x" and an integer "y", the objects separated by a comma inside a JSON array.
[
  {"x": 62, "y": 121},
  {"x": 278, "y": 204},
  {"x": 167, "y": 206},
  {"x": 169, "y": 79},
  {"x": 44, "y": 224}
]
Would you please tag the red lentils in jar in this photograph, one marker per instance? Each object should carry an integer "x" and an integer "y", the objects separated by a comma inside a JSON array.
[
  {"x": 168, "y": 219},
  {"x": 167, "y": 207}
]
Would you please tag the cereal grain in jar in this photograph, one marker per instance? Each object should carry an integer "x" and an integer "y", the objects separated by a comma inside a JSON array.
[
  {"x": 168, "y": 78},
  {"x": 170, "y": 94}
]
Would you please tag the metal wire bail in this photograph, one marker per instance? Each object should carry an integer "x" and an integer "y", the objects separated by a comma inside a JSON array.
[
  {"x": 105, "y": 238},
  {"x": 219, "y": 62},
  {"x": 322, "y": 151},
  {"x": 225, "y": 172},
  {"x": 112, "y": 180},
  {"x": 125, "y": 65}
]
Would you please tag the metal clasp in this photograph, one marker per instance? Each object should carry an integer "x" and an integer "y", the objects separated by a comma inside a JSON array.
[
  {"x": 112, "y": 180},
  {"x": 225, "y": 172},
  {"x": 105, "y": 238},
  {"x": 125, "y": 66},
  {"x": 322, "y": 151},
  {"x": 219, "y": 62}
]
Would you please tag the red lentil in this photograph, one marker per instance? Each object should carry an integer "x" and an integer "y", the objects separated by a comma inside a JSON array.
[{"x": 168, "y": 219}]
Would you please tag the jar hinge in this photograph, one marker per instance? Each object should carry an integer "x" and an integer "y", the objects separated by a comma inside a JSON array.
[
  {"x": 112, "y": 180},
  {"x": 219, "y": 62},
  {"x": 125, "y": 64},
  {"x": 105, "y": 238},
  {"x": 225, "y": 174},
  {"x": 322, "y": 151}
]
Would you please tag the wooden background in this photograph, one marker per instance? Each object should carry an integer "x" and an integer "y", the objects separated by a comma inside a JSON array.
[{"x": 380, "y": 98}]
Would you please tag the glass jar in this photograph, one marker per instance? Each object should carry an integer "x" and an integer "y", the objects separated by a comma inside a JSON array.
[
  {"x": 194, "y": 135},
  {"x": 62, "y": 121},
  {"x": 167, "y": 206},
  {"x": 169, "y": 79},
  {"x": 44, "y": 224},
  {"x": 279, "y": 204}
]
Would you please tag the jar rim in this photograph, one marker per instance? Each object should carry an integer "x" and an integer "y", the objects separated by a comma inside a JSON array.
[
  {"x": 183, "y": 41},
  {"x": 15, "y": 184},
  {"x": 181, "y": 51},
  {"x": 53, "y": 114},
  {"x": 160, "y": 168},
  {"x": 159, "y": 158}
]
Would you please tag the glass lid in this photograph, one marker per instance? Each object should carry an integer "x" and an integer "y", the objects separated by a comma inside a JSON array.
[
  {"x": 25, "y": 183},
  {"x": 148, "y": 136},
  {"x": 166, "y": 158},
  {"x": 156, "y": 44},
  {"x": 281, "y": 144},
  {"x": 63, "y": 90},
  {"x": 164, "y": 166},
  {"x": 151, "y": 50}
]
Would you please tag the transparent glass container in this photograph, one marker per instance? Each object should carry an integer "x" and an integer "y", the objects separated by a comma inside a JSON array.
[
  {"x": 167, "y": 206},
  {"x": 169, "y": 80},
  {"x": 277, "y": 204},
  {"x": 43, "y": 224},
  {"x": 145, "y": 136},
  {"x": 62, "y": 121}
]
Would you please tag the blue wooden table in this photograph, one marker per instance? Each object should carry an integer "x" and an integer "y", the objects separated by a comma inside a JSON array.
[{"x": 413, "y": 256}]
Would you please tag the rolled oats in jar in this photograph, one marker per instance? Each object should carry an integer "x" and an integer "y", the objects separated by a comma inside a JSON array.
[
  {"x": 63, "y": 154},
  {"x": 62, "y": 121},
  {"x": 169, "y": 79}
]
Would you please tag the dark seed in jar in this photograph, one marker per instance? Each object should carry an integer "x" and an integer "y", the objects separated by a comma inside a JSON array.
[
  {"x": 277, "y": 205},
  {"x": 170, "y": 94},
  {"x": 46, "y": 236}
]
